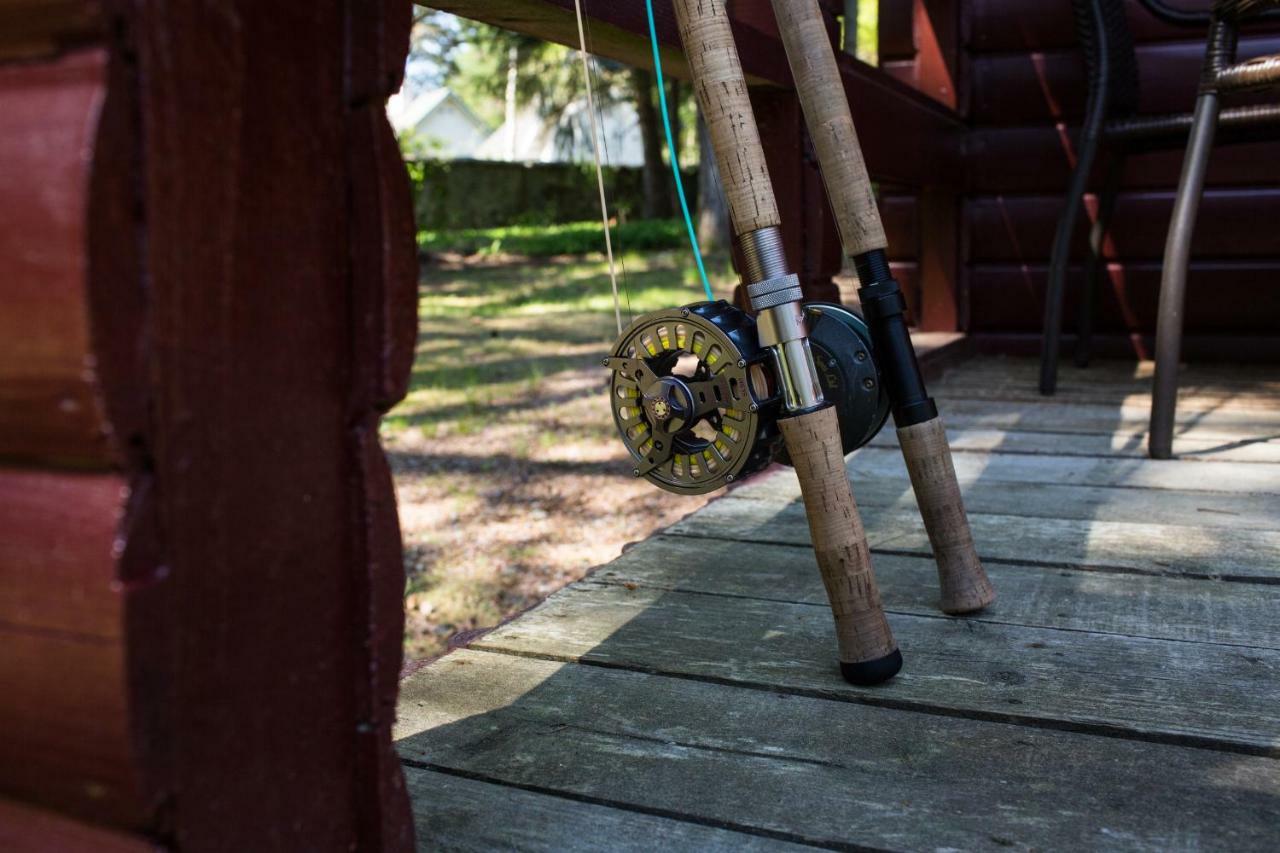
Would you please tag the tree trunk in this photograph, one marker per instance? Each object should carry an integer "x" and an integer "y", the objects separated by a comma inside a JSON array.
[
  {"x": 510, "y": 111},
  {"x": 656, "y": 200},
  {"x": 673, "y": 116},
  {"x": 713, "y": 211},
  {"x": 850, "y": 45}
]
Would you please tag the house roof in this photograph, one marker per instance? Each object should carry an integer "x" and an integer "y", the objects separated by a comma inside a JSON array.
[{"x": 405, "y": 113}]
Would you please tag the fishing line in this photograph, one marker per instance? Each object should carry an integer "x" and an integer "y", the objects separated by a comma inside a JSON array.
[
  {"x": 671, "y": 148},
  {"x": 595, "y": 149},
  {"x": 608, "y": 159}
]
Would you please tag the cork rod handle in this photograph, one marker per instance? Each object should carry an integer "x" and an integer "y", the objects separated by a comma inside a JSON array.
[
  {"x": 964, "y": 583},
  {"x": 826, "y": 111},
  {"x": 721, "y": 89},
  {"x": 868, "y": 652}
]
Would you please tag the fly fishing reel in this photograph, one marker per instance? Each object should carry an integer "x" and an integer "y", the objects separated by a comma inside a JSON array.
[{"x": 696, "y": 397}]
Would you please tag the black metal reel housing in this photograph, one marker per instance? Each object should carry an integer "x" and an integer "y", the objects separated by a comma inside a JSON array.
[
  {"x": 847, "y": 371},
  {"x": 694, "y": 397}
]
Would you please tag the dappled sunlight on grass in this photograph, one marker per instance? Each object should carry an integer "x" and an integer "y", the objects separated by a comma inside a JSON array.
[{"x": 510, "y": 477}]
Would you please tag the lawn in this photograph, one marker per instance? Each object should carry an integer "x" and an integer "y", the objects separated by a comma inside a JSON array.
[{"x": 510, "y": 479}]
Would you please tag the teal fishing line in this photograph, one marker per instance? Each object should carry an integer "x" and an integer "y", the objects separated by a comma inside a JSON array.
[{"x": 671, "y": 148}]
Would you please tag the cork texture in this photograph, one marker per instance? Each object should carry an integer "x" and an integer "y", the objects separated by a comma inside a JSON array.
[
  {"x": 839, "y": 540},
  {"x": 722, "y": 95},
  {"x": 826, "y": 112},
  {"x": 964, "y": 583}
]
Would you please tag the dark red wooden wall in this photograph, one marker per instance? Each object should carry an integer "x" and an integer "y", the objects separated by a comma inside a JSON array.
[
  {"x": 1019, "y": 81},
  {"x": 208, "y": 282}
]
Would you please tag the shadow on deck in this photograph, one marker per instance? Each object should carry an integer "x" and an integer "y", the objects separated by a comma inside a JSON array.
[{"x": 1121, "y": 693}]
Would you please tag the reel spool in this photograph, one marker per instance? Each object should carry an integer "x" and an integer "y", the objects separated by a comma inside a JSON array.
[
  {"x": 847, "y": 371},
  {"x": 695, "y": 397}
]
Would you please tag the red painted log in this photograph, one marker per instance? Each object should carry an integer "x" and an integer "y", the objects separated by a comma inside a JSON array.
[
  {"x": 1026, "y": 25},
  {"x": 25, "y": 829},
  {"x": 1032, "y": 88},
  {"x": 1004, "y": 297},
  {"x": 50, "y": 385},
  {"x": 1020, "y": 228},
  {"x": 206, "y": 226}
]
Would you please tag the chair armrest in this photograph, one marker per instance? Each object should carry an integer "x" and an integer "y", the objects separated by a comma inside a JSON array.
[
  {"x": 1187, "y": 18},
  {"x": 1174, "y": 16}
]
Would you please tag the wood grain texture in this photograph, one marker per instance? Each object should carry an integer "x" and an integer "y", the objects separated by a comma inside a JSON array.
[
  {"x": 1020, "y": 227},
  {"x": 209, "y": 244},
  {"x": 826, "y": 110},
  {"x": 839, "y": 541},
  {"x": 25, "y": 829},
  {"x": 1005, "y": 296},
  {"x": 1107, "y": 683},
  {"x": 1104, "y": 419},
  {"x": 50, "y": 390},
  {"x": 78, "y": 585},
  {"x": 1084, "y": 680},
  {"x": 33, "y": 29},
  {"x": 1020, "y": 88},
  {"x": 875, "y": 778},
  {"x": 1040, "y": 158},
  {"x": 1157, "y": 608},
  {"x": 964, "y": 585},
  {"x": 1038, "y": 499},
  {"x": 462, "y": 814},
  {"x": 1017, "y": 26},
  {"x": 1227, "y": 479},
  {"x": 722, "y": 94},
  {"x": 1154, "y": 549},
  {"x": 1130, "y": 445}
]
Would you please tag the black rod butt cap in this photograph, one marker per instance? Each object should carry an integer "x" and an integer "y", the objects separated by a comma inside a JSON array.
[{"x": 868, "y": 672}]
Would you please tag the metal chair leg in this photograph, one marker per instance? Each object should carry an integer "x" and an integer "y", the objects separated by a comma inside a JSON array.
[
  {"x": 1090, "y": 135},
  {"x": 1097, "y": 264},
  {"x": 1173, "y": 277},
  {"x": 1220, "y": 50}
]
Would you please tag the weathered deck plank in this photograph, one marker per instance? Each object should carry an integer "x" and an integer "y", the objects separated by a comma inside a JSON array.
[
  {"x": 961, "y": 412},
  {"x": 992, "y": 496},
  {"x": 1206, "y": 552},
  {"x": 828, "y": 773},
  {"x": 1103, "y": 602},
  {"x": 1120, "y": 445},
  {"x": 1153, "y": 689},
  {"x": 482, "y": 816},
  {"x": 1240, "y": 478},
  {"x": 1122, "y": 693}
]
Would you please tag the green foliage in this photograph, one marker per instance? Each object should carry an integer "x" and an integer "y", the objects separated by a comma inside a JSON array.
[
  {"x": 869, "y": 31},
  {"x": 573, "y": 238}
]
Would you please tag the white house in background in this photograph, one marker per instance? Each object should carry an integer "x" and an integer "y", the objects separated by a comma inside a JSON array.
[
  {"x": 440, "y": 120},
  {"x": 566, "y": 138}
]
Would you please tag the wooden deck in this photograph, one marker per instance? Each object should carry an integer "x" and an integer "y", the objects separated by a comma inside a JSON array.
[{"x": 1123, "y": 692}]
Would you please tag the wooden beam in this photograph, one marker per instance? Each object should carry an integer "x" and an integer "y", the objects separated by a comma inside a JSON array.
[{"x": 907, "y": 137}]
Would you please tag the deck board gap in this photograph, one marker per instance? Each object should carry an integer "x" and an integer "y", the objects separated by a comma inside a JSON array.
[
  {"x": 1097, "y": 729},
  {"x": 588, "y": 582},
  {"x": 622, "y": 805},
  {"x": 1255, "y": 580}
]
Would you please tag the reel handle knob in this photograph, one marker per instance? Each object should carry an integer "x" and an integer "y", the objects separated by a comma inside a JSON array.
[{"x": 868, "y": 652}]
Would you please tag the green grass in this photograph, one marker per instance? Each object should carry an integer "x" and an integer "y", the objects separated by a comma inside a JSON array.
[
  {"x": 571, "y": 238},
  {"x": 493, "y": 335},
  {"x": 511, "y": 480}
]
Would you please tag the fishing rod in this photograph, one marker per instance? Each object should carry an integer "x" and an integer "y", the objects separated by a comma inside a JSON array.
[
  {"x": 707, "y": 394},
  {"x": 964, "y": 584}
]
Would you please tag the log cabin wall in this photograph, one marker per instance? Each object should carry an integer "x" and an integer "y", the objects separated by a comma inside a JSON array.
[
  {"x": 207, "y": 274},
  {"x": 1020, "y": 84}
]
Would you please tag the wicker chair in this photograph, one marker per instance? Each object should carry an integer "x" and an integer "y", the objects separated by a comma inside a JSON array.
[{"x": 1111, "y": 122}]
